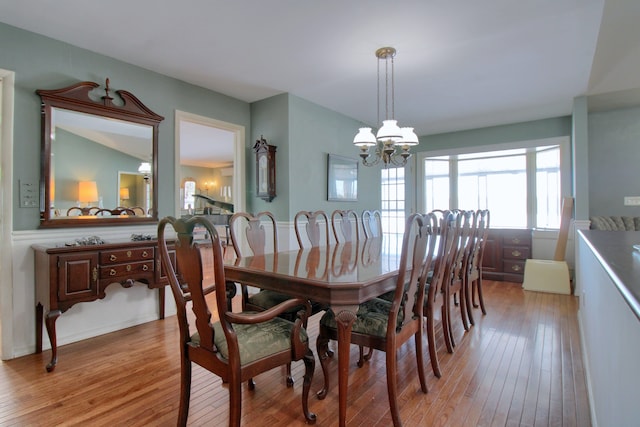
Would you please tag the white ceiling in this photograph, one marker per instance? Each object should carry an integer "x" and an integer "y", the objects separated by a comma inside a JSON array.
[{"x": 460, "y": 64}]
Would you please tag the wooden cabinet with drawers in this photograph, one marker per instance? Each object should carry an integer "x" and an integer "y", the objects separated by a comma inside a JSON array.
[
  {"x": 505, "y": 254},
  {"x": 68, "y": 275}
]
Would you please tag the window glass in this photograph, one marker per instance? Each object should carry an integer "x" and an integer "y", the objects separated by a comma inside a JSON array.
[
  {"x": 548, "y": 187},
  {"x": 509, "y": 183},
  {"x": 189, "y": 191},
  {"x": 393, "y": 206},
  {"x": 495, "y": 183},
  {"x": 436, "y": 183}
]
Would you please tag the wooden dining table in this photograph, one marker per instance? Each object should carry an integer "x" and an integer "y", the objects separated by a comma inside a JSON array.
[{"x": 342, "y": 276}]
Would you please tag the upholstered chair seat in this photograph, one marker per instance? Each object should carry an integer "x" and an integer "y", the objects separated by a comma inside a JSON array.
[{"x": 256, "y": 341}]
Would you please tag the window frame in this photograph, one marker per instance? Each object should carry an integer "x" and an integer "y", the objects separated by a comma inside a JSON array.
[{"x": 565, "y": 168}]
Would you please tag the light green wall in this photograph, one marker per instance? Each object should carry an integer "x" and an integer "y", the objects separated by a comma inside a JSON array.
[
  {"x": 614, "y": 156},
  {"x": 43, "y": 63},
  {"x": 538, "y": 129},
  {"x": 270, "y": 119},
  {"x": 580, "y": 157},
  {"x": 305, "y": 134}
]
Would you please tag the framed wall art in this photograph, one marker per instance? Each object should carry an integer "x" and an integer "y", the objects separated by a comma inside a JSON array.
[{"x": 342, "y": 179}]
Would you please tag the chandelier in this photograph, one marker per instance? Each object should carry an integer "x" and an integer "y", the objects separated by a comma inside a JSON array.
[{"x": 392, "y": 142}]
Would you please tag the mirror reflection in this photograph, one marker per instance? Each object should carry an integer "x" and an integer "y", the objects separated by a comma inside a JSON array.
[
  {"x": 98, "y": 157},
  {"x": 95, "y": 163}
]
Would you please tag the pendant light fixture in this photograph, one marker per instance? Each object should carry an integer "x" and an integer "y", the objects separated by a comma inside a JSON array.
[{"x": 391, "y": 141}]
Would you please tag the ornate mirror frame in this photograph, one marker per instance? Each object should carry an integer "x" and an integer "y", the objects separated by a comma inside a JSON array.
[{"x": 76, "y": 98}]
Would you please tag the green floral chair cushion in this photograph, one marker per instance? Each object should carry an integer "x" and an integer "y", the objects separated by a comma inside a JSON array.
[
  {"x": 372, "y": 318},
  {"x": 256, "y": 340},
  {"x": 267, "y": 299}
]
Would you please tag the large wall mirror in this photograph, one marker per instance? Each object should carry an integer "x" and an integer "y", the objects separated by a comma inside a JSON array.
[{"x": 99, "y": 158}]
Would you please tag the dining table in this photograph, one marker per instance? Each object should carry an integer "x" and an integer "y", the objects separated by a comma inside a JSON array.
[{"x": 340, "y": 276}]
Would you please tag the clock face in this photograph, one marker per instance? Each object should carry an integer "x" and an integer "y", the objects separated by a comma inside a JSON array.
[{"x": 262, "y": 173}]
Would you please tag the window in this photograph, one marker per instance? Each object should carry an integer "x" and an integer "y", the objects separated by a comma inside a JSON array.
[
  {"x": 189, "y": 191},
  {"x": 510, "y": 183},
  {"x": 393, "y": 216},
  {"x": 393, "y": 206}
]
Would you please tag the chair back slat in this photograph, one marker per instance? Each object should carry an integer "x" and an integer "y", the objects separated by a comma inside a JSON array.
[
  {"x": 417, "y": 253},
  {"x": 372, "y": 223},
  {"x": 249, "y": 230},
  {"x": 345, "y": 225},
  {"x": 189, "y": 286},
  {"x": 316, "y": 228}
]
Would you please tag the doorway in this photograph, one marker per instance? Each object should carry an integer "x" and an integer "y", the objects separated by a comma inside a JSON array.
[{"x": 211, "y": 153}]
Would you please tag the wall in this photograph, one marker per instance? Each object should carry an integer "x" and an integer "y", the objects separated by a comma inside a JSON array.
[
  {"x": 610, "y": 339},
  {"x": 614, "y": 156},
  {"x": 305, "y": 134},
  {"x": 43, "y": 63},
  {"x": 495, "y": 135}
]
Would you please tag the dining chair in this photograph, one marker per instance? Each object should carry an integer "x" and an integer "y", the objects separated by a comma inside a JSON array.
[
  {"x": 239, "y": 345},
  {"x": 138, "y": 211},
  {"x": 114, "y": 212},
  {"x": 473, "y": 269},
  {"x": 387, "y": 325},
  {"x": 455, "y": 279},
  {"x": 372, "y": 223},
  {"x": 316, "y": 228},
  {"x": 257, "y": 235},
  {"x": 345, "y": 225},
  {"x": 77, "y": 210},
  {"x": 436, "y": 291}
]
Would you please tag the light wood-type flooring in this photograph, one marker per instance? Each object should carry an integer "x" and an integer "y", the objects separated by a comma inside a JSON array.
[{"x": 520, "y": 365}]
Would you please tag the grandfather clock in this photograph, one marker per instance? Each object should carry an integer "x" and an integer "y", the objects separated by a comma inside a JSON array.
[{"x": 265, "y": 169}]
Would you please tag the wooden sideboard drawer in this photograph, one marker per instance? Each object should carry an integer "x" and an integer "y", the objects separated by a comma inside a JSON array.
[
  {"x": 126, "y": 269},
  {"x": 520, "y": 252},
  {"x": 517, "y": 239},
  {"x": 514, "y": 267},
  {"x": 126, "y": 255}
]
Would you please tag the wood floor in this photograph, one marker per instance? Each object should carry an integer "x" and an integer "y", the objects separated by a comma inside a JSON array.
[{"x": 520, "y": 365}]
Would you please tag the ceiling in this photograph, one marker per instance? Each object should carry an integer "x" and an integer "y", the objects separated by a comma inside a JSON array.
[{"x": 460, "y": 65}]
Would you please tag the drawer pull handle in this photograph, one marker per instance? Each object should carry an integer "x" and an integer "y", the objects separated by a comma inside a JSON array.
[
  {"x": 145, "y": 267},
  {"x": 129, "y": 254},
  {"x": 516, "y": 253},
  {"x": 112, "y": 272},
  {"x": 145, "y": 254},
  {"x": 113, "y": 257},
  {"x": 516, "y": 268},
  {"x": 94, "y": 274},
  {"x": 128, "y": 267},
  {"x": 515, "y": 240}
]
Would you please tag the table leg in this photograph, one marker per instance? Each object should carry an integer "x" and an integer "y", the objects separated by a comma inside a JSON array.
[
  {"x": 344, "y": 319},
  {"x": 161, "y": 302},
  {"x": 50, "y": 320},
  {"x": 39, "y": 317}
]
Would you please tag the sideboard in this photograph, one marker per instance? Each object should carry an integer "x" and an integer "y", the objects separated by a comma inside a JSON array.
[
  {"x": 68, "y": 275},
  {"x": 505, "y": 254}
]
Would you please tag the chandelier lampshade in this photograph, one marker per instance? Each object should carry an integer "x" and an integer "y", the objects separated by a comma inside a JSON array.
[{"x": 365, "y": 138}]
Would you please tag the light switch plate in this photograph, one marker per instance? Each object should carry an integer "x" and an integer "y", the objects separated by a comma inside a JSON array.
[
  {"x": 632, "y": 201},
  {"x": 28, "y": 195}
]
